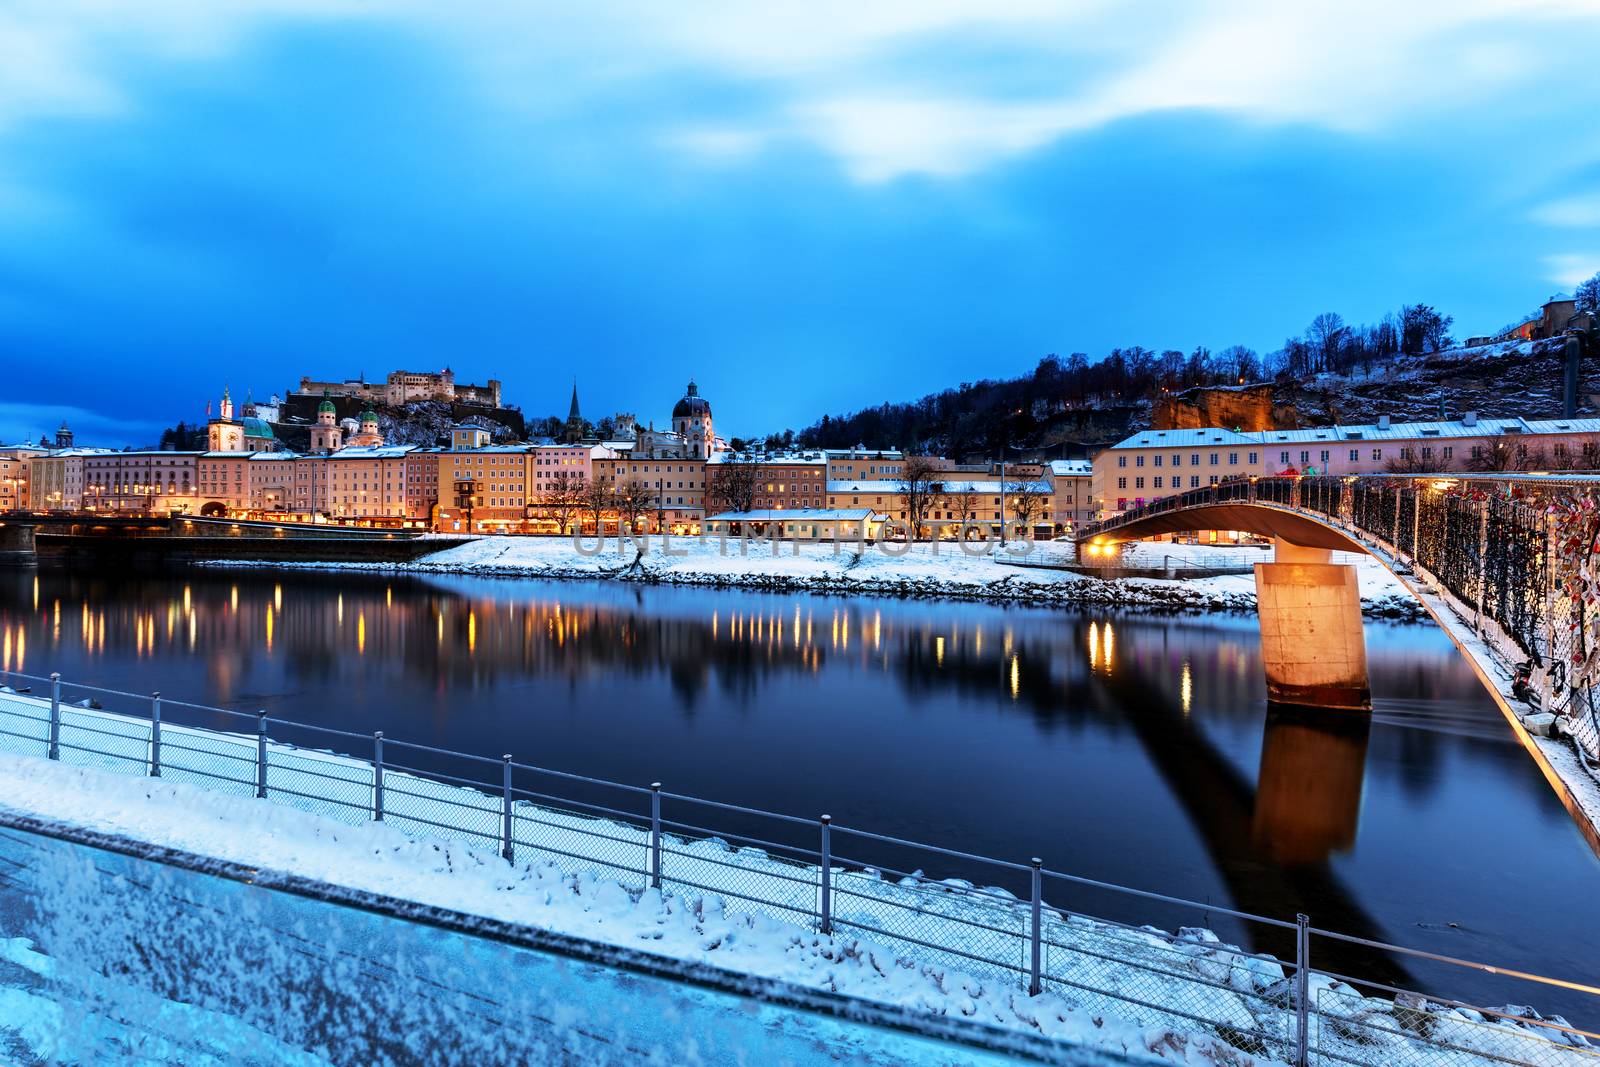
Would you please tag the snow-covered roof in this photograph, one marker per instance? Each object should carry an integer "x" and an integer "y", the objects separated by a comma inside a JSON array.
[
  {"x": 373, "y": 452},
  {"x": 767, "y": 459},
  {"x": 863, "y": 453},
  {"x": 792, "y": 514},
  {"x": 1071, "y": 468},
  {"x": 1356, "y": 432},
  {"x": 889, "y": 485},
  {"x": 148, "y": 452},
  {"x": 1186, "y": 438}
]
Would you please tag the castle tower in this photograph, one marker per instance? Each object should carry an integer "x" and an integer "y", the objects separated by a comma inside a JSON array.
[
  {"x": 326, "y": 435},
  {"x": 64, "y": 436},
  {"x": 691, "y": 419}
]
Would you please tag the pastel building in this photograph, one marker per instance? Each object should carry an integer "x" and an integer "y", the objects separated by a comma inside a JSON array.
[
  {"x": 55, "y": 480},
  {"x": 1153, "y": 464},
  {"x": 152, "y": 482},
  {"x": 677, "y": 487}
]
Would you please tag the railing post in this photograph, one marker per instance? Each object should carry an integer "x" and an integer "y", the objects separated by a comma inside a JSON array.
[
  {"x": 155, "y": 734},
  {"x": 505, "y": 809},
  {"x": 1302, "y": 988},
  {"x": 825, "y": 913},
  {"x": 1034, "y": 934},
  {"x": 1483, "y": 560},
  {"x": 655, "y": 835},
  {"x": 261, "y": 754},
  {"x": 1547, "y": 696},
  {"x": 54, "y": 749},
  {"x": 1416, "y": 521},
  {"x": 377, "y": 776}
]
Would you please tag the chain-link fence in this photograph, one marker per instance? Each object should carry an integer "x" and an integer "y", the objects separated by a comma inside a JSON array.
[{"x": 818, "y": 876}]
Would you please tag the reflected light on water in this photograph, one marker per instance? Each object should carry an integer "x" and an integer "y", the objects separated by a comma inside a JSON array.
[
  {"x": 361, "y": 632},
  {"x": 1186, "y": 688},
  {"x": 1016, "y": 676},
  {"x": 269, "y": 627},
  {"x": 1094, "y": 646},
  {"x": 938, "y": 651}
]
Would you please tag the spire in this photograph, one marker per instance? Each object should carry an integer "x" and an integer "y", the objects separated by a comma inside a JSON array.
[
  {"x": 693, "y": 391},
  {"x": 572, "y": 413}
]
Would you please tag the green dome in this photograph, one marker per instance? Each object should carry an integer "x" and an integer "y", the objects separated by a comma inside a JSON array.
[
  {"x": 369, "y": 415},
  {"x": 326, "y": 407}
]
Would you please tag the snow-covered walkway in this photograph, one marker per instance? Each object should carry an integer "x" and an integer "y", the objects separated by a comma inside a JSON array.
[{"x": 944, "y": 947}]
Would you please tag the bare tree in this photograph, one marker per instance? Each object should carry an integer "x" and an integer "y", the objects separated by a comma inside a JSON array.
[
  {"x": 563, "y": 498},
  {"x": 634, "y": 498},
  {"x": 1496, "y": 457},
  {"x": 595, "y": 498},
  {"x": 1027, "y": 501},
  {"x": 1587, "y": 296},
  {"x": 1409, "y": 462},
  {"x": 921, "y": 486},
  {"x": 1325, "y": 335},
  {"x": 961, "y": 506},
  {"x": 731, "y": 484}
]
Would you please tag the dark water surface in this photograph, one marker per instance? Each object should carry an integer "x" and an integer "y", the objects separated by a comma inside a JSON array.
[{"x": 1136, "y": 749}]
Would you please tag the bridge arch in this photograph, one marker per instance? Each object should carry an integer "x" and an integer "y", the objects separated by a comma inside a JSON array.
[
  {"x": 1263, "y": 518},
  {"x": 1313, "y": 642}
]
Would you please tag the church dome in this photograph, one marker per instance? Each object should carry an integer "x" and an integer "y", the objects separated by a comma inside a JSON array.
[
  {"x": 692, "y": 405},
  {"x": 326, "y": 407}
]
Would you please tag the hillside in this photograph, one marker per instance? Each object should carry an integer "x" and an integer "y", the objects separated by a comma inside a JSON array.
[{"x": 1066, "y": 411}]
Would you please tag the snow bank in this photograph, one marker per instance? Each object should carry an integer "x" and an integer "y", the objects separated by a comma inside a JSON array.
[
  {"x": 695, "y": 927},
  {"x": 919, "y": 570}
]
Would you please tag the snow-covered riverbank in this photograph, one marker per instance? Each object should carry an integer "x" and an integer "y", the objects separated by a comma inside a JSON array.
[{"x": 920, "y": 570}]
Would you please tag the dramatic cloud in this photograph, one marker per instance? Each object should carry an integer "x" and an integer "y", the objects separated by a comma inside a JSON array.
[{"x": 867, "y": 200}]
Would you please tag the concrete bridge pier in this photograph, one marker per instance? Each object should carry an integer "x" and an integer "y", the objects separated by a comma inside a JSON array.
[
  {"x": 17, "y": 544},
  {"x": 1312, "y": 643}
]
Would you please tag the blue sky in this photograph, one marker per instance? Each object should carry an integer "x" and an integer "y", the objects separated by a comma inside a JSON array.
[{"x": 809, "y": 207}]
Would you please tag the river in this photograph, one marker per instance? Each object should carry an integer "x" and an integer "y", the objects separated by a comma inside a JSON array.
[{"x": 1131, "y": 748}]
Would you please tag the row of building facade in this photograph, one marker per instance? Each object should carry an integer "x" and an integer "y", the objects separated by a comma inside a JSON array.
[
  {"x": 516, "y": 488},
  {"x": 1154, "y": 464}
]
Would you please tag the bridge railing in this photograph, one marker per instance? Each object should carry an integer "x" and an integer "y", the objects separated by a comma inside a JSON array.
[
  {"x": 1019, "y": 924},
  {"x": 1488, "y": 541}
]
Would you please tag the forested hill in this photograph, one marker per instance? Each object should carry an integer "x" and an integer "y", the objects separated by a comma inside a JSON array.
[{"x": 1407, "y": 366}]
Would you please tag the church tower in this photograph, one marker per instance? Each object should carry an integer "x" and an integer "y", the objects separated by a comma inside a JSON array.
[
  {"x": 326, "y": 435},
  {"x": 574, "y": 430},
  {"x": 368, "y": 435},
  {"x": 225, "y": 433},
  {"x": 691, "y": 420}
]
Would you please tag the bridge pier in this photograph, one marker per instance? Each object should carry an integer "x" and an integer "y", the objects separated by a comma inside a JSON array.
[
  {"x": 1312, "y": 642},
  {"x": 17, "y": 544}
]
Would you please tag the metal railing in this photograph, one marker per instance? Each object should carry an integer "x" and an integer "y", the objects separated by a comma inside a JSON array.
[
  {"x": 1490, "y": 541},
  {"x": 840, "y": 881}
]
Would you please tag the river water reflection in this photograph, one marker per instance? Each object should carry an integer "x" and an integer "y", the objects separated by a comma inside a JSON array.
[{"x": 1131, "y": 748}]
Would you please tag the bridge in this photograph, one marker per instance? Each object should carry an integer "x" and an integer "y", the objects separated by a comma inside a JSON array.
[
  {"x": 88, "y": 538},
  {"x": 1508, "y": 554}
]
